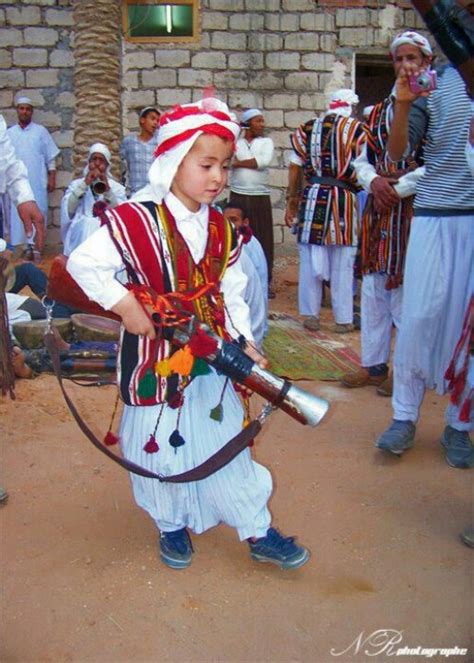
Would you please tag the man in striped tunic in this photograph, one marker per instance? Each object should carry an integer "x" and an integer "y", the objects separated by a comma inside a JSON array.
[
  {"x": 439, "y": 270},
  {"x": 328, "y": 219},
  {"x": 385, "y": 227}
]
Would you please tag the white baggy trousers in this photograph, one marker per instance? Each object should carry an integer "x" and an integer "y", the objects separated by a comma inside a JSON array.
[
  {"x": 438, "y": 284},
  {"x": 326, "y": 263}
]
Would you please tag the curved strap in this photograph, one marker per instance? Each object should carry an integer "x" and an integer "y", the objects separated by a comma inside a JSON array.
[
  {"x": 282, "y": 395},
  {"x": 218, "y": 460}
]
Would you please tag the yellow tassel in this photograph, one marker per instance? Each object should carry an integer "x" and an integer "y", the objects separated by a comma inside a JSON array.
[
  {"x": 163, "y": 368},
  {"x": 182, "y": 361}
]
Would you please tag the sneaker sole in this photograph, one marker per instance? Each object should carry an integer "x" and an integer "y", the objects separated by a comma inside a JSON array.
[
  {"x": 396, "y": 452},
  {"x": 291, "y": 564},
  {"x": 175, "y": 563}
]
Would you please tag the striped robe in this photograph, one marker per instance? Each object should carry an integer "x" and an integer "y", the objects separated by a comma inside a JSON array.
[
  {"x": 384, "y": 236},
  {"x": 328, "y": 214}
]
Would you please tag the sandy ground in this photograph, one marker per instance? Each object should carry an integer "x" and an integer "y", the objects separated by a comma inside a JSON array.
[{"x": 81, "y": 580}]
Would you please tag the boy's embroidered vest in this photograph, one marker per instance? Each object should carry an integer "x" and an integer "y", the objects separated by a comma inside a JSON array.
[
  {"x": 156, "y": 255},
  {"x": 384, "y": 236}
]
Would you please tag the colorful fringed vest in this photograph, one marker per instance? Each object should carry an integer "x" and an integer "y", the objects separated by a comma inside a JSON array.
[
  {"x": 328, "y": 214},
  {"x": 384, "y": 236},
  {"x": 156, "y": 256}
]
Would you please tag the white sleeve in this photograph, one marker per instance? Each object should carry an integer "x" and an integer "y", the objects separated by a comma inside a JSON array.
[
  {"x": 233, "y": 286},
  {"x": 406, "y": 185},
  {"x": 296, "y": 159},
  {"x": 365, "y": 172},
  {"x": 264, "y": 153},
  {"x": 94, "y": 265},
  {"x": 13, "y": 172}
]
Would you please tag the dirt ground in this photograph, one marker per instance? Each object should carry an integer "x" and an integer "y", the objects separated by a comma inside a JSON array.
[{"x": 81, "y": 579}]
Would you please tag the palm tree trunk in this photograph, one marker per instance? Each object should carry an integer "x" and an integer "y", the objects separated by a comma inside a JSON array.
[{"x": 97, "y": 77}]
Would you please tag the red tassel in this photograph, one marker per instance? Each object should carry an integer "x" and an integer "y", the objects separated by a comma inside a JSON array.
[
  {"x": 449, "y": 375},
  {"x": 202, "y": 345},
  {"x": 151, "y": 447},
  {"x": 110, "y": 439},
  {"x": 465, "y": 411}
]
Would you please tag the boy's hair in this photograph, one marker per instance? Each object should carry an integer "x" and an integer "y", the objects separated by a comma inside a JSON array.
[
  {"x": 239, "y": 206},
  {"x": 146, "y": 111}
]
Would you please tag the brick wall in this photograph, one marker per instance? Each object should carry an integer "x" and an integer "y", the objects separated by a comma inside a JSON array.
[
  {"x": 282, "y": 56},
  {"x": 36, "y": 59}
]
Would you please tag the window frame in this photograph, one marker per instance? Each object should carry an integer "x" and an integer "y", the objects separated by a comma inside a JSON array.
[{"x": 196, "y": 36}]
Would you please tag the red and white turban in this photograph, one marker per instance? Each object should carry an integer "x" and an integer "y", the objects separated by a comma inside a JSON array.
[
  {"x": 178, "y": 131},
  {"x": 414, "y": 39},
  {"x": 341, "y": 102}
]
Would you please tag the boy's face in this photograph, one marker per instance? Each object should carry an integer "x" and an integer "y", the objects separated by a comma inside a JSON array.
[
  {"x": 149, "y": 123},
  {"x": 234, "y": 216},
  {"x": 202, "y": 175}
]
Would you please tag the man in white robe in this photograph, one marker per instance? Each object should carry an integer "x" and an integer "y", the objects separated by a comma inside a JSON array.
[
  {"x": 78, "y": 216},
  {"x": 35, "y": 147}
]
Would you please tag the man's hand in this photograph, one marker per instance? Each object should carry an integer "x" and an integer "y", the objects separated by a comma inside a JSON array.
[
  {"x": 31, "y": 216},
  {"x": 134, "y": 318},
  {"x": 403, "y": 93},
  {"x": 385, "y": 196},
  {"x": 254, "y": 354},
  {"x": 291, "y": 210},
  {"x": 51, "y": 180},
  {"x": 96, "y": 174}
]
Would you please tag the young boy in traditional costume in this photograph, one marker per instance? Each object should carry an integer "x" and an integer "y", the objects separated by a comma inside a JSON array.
[{"x": 177, "y": 243}]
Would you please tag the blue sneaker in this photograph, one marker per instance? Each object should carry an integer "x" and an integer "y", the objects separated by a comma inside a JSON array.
[
  {"x": 176, "y": 548},
  {"x": 279, "y": 550},
  {"x": 398, "y": 437},
  {"x": 459, "y": 449}
]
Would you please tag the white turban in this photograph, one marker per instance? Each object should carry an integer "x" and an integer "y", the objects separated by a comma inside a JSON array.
[
  {"x": 341, "y": 102},
  {"x": 99, "y": 148},
  {"x": 178, "y": 131},
  {"x": 414, "y": 39},
  {"x": 249, "y": 115},
  {"x": 23, "y": 100}
]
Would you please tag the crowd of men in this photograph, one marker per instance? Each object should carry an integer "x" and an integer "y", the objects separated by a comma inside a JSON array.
[{"x": 410, "y": 240}]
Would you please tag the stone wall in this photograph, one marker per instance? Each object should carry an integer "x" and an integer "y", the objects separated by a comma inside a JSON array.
[
  {"x": 282, "y": 56},
  {"x": 36, "y": 59}
]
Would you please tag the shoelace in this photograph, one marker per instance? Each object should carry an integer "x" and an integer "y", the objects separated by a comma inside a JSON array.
[
  {"x": 180, "y": 539},
  {"x": 280, "y": 542}
]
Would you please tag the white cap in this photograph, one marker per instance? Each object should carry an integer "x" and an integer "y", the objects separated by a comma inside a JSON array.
[
  {"x": 3, "y": 245},
  {"x": 23, "y": 100},
  {"x": 249, "y": 115},
  {"x": 100, "y": 148}
]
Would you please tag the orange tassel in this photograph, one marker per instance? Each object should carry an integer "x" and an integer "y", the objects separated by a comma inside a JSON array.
[{"x": 182, "y": 361}]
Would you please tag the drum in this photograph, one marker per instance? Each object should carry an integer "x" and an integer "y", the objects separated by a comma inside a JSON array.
[
  {"x": 31, "y": 334},
  {"x": 95, "y": 328}
]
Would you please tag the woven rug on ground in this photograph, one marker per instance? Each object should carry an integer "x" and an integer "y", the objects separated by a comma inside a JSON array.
[{"x": 298, "y": 354}]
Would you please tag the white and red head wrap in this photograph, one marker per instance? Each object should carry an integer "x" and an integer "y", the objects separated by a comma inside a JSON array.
[
  {"x": 414, "y": 39},
  {"x": 341, "y": 102},
  {"x": 178, "y": 131}
]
